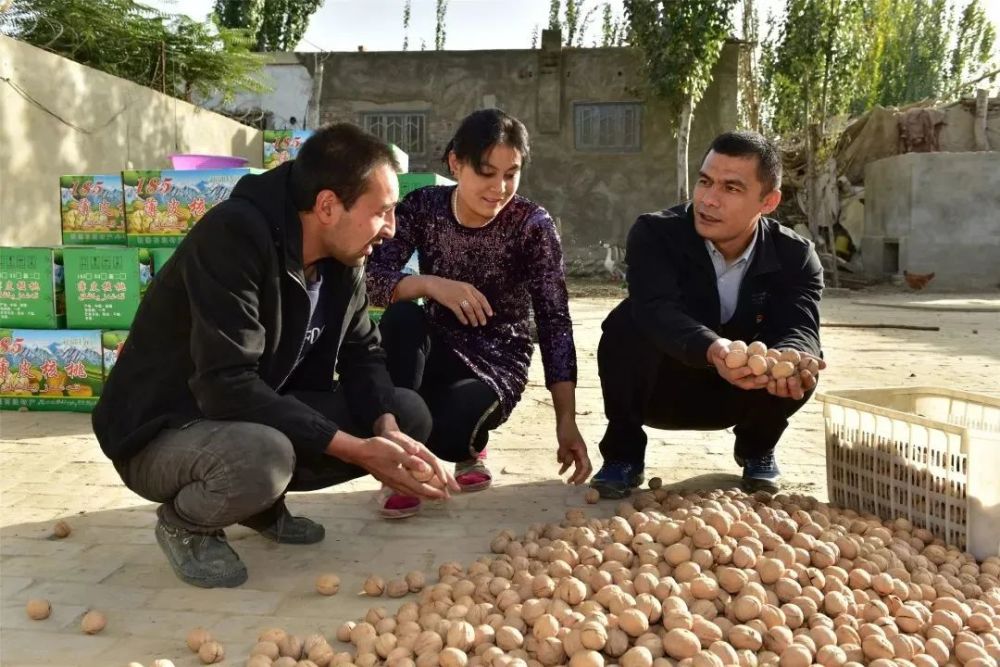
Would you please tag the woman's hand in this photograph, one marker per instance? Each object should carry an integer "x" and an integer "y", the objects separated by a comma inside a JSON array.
[
  {"x": 573, "y": 452},
  {"x": 465, "y": 301}
]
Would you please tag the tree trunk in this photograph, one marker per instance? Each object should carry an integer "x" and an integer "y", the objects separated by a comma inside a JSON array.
[
  {"x": 979, "y": 128},
  {"x": 683, "y": 137}
]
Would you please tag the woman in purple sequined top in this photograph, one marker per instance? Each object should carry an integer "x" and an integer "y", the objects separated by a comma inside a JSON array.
[{"x": 488, "y": 258}]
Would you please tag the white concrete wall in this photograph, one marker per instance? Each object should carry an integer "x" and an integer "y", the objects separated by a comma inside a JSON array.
[
  {"x": 58, "y": 117},
  {"x": 943, "y": 209},
  {"x": 287, "y": 101}
]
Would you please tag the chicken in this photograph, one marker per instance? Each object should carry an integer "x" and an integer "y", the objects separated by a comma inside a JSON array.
[{"x": 917, "y": 281}]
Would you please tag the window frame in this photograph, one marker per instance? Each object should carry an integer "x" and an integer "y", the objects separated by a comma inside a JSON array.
[
  {"x": 591, "y": 147},
  {"x": 385, "y": 113}
]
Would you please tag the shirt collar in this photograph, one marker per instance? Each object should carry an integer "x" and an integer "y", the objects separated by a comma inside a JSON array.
[{"x": 745, "y": 257}]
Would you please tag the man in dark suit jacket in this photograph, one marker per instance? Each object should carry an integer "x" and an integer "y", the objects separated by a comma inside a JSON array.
[{"x": 700, "y": 276}]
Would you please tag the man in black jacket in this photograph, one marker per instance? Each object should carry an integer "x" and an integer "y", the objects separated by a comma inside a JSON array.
[
  {"x": 700, "y": 276},
  {"x": 224, "y": 397}
]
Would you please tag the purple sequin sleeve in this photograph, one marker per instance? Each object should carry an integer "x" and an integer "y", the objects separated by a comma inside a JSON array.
[
  {"x": 549, "y": 298},
  {"x": 385, "y": 270}
]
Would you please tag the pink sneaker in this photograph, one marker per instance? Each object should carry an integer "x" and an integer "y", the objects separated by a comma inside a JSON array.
[
  {"x": 473, "y": 475},
  {"x": 393, "y": 505}
]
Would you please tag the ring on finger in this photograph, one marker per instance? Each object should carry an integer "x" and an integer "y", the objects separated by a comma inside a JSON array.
[{"x": 464, "y": 303}]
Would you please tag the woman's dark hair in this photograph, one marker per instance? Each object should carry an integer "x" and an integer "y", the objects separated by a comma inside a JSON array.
[
  {"x": 339, "y": 157},
  {"x": 750, "y": 144},
  {"x": 485, "y": 128}
]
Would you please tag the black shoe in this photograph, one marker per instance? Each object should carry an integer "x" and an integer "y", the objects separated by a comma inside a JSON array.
[
  {"x": 201, "y": 559},
  {"x": 278, "y": 525},
  {"x": 760, "y": 473},
  {"x": 616, "y": 479}
]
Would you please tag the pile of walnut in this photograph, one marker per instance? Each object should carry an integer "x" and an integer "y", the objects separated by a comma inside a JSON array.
[
  {"x": 774, "y": 363},
  {"x": 694, "y": 581}
]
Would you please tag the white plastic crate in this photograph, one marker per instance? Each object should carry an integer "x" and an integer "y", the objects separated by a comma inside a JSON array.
[{"x": 928, "y": 454}]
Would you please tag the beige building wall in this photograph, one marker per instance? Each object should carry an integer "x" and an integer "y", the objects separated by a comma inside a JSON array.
[
  {"x": 58, "y": 117},
  {"x": 596, "y": 194}
]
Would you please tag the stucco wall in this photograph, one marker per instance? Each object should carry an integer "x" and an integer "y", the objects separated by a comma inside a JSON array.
[
  {"x": 597, "y": 196},
  {"x": 941, "y": 208},
  {"x": 80, "y": 120}
]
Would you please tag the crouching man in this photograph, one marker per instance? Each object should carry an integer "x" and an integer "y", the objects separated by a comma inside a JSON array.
[
  {"x": 224, "y": 397},
  {"x": 700, "y": 276}
]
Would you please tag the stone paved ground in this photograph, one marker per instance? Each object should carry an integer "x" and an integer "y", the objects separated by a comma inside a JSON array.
[{"x": 52, "y": 468}]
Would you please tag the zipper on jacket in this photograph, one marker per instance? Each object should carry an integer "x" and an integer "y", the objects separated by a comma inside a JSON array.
[{"x": 304, "y": 333}]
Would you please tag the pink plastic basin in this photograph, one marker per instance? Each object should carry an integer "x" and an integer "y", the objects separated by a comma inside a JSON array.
[{"x": 193, "y": 161}]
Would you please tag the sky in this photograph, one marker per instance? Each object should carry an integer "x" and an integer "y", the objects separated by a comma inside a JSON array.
[{"x": 343, "y": 25}]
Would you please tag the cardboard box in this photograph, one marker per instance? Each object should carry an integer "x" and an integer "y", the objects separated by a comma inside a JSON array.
[
  {"x": 159, "y": 257},
  {"x": 32, "y": 292},
  {"x": 104, "y": 285},
  {"x": 162, "y": 205},
  {"x": 280, "y": 146},
  {"x": 92, "y": 208},
  {"x": 410, "y": 182},
  {"x": 50, "y": 369},
  {"x": 111, "y": 346}
]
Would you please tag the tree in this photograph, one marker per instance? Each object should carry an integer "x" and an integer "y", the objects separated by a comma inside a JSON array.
[
  {"x": 811, "y": 65},
  {"x": 439, "y": 32},
  {"x": 749, "y": 80},
  {"x": 613, "y": 32},
  {"x": 831, "y": 57},
  {"x": 172, "y": 53},
  {"x": 276, "y": 25},
  {"x": 406, "y": 25},
  {"x": 574, "y": 22},
  {"x": 680, "y": 44}
]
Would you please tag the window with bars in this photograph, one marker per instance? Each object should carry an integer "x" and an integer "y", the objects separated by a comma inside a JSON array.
[
  {"x": 406, "y": 129},
  {"x": 608, "y": 126}
]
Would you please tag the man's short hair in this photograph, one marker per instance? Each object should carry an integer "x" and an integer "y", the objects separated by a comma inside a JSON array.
[
  {"x": 340, "y": 157},
  {"x": 746, "y": 144}
]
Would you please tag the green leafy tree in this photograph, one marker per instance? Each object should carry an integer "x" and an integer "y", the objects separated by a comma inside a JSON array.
[
  {"x": 172, "y": 53},
  {"x": 276, "y": 25},
  {"x": 974, "y": 57},
  {"x": 406, "y": 25},
  {"x": 576, "y": 19},
  {"x": 811, "y": 62},
  {"x": 830, "y": 57},
  {"x": 439, "y": 29},
  {"x": 749, "y": 80},
  {"x": 613, "y": 32},
  {"x": 680, "y": 44}
]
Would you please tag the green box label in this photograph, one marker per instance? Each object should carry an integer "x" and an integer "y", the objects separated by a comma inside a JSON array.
[
  {"x": 414, "y": 181},
  {"x": 161, "y": 206},
  {"x": 160, "y": 257},
  {"x": 31, "y": 288},
  {"x": 282, "y": 145},
  {"x": 92, "y": 209},
  {"x": 50, "y": 370},
  {"x": 104, "y": 286}
]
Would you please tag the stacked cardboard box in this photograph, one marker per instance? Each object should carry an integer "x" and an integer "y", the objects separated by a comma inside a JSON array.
[{"x": 65, "y": 311}]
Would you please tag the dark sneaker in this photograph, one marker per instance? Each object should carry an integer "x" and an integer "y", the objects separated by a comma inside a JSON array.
[
  {"x": 616, "y": 479},
  {"x": 278, "y": 525},
  {"x": 760, "y": 474},
  {"x": 201, "y": 559}
]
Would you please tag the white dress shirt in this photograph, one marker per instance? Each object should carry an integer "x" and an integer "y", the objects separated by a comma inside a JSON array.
[{"x": 729, "y": 276}]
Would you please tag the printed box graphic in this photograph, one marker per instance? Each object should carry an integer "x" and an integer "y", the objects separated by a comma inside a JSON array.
[
  {"x": 104, "y": 285},
  {"x": 32, "y": 288},
  {"x": 92, "y": 208},
  {"x": 50, "y": 369},
  {"x": 161, "y": 206}
]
